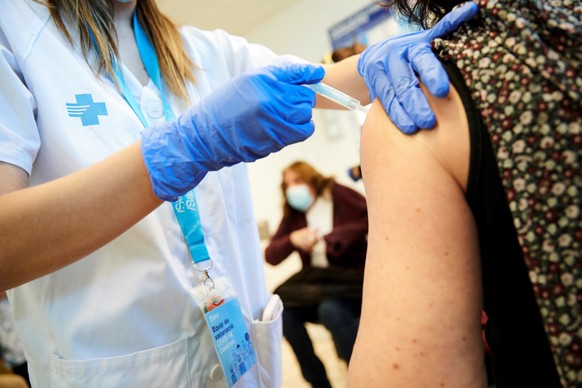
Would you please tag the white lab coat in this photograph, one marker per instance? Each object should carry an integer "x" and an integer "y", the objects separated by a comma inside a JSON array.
[{"x": 124, "y": 316}]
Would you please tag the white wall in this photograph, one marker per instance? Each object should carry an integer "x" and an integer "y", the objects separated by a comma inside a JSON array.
[{"x": 302, "y": 30}]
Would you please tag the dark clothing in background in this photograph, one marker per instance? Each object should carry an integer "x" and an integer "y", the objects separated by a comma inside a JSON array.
[
  {"x": 346, "y": 244},
  {"x": 331, "y": 296}
]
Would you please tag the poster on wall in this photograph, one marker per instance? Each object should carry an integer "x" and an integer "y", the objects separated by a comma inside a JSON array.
[{"x": 367, "y": 26}]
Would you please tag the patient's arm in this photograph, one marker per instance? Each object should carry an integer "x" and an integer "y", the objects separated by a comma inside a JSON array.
[{"x": 420, "y": 324}]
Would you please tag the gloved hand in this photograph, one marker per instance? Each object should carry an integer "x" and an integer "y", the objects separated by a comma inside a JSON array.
[
  {"x": 246, "y": 119},
  {"x": 389, "y": 68}
]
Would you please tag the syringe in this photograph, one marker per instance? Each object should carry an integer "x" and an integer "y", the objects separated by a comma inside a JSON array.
[{"x": 338, "y": 97}]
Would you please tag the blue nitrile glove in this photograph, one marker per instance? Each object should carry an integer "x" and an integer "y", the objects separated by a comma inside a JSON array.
[
  {"x": 246, "y": 119},
  {"x": 389, "y": 68}
]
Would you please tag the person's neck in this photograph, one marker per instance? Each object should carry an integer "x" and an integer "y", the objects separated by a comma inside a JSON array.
[
  {"x": 128, "y": 50},
  {"x": 122, "y": 14}
]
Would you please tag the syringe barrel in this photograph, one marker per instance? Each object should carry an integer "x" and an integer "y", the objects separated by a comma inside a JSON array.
[{"x": 334, "y": 95}]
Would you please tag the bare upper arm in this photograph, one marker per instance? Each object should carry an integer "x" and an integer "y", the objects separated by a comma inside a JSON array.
[
  {"x": 12, "y": 178},
  {"x": 344, "y": 76},
  {"x": 420, "y": 322}
]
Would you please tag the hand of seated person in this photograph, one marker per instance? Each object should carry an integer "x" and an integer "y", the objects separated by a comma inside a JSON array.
[{"x": 304, "y": 239}]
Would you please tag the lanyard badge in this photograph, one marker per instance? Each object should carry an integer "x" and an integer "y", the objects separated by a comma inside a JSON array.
[
  {"x": 216, "y": 298},
  {"x": 222, "y": 312}
]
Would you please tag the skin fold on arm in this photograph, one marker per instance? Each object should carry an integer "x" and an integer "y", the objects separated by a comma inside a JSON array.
[{"x": 420, "y": 324}]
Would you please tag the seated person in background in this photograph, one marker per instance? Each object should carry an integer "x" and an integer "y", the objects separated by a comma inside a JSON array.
[
  {"x": 327, "y": 224},
  {"x": 341, "y": 53},
  {"x": 482, "y": 210}
]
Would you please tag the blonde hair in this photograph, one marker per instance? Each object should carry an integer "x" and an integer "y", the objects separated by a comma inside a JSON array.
[{"x": 94, "y": 20}]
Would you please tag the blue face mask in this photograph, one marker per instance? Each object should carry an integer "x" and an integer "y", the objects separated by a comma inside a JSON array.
[{"x": 299, "y": 197}]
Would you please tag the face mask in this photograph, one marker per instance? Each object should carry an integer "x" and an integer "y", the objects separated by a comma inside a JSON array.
[
  {"x": 124, "y": 1},
  {"x": 299, "y": 197}
]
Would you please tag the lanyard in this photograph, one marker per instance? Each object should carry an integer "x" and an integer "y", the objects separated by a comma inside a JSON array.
[{"x": 185, "y": 208}]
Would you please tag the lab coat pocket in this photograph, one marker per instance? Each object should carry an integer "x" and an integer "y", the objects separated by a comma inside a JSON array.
[
  {"x": 267, "y": 336},
  {"x": 164, "y": 366}
]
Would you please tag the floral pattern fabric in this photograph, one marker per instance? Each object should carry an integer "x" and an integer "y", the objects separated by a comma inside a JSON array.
[{"x": 521, "y": 60}]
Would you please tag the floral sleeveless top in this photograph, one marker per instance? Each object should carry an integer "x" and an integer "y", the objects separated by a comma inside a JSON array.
[{"x": 521, "y": 60}]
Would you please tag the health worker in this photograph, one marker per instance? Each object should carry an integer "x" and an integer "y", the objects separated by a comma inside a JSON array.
[{"x": 115, "y": 129}]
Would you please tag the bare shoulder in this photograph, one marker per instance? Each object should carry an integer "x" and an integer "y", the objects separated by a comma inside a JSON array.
[{"x": 448, "y": 143}]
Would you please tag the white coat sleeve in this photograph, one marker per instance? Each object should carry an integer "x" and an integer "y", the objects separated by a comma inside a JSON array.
[{"x": 19, "y": 137}]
